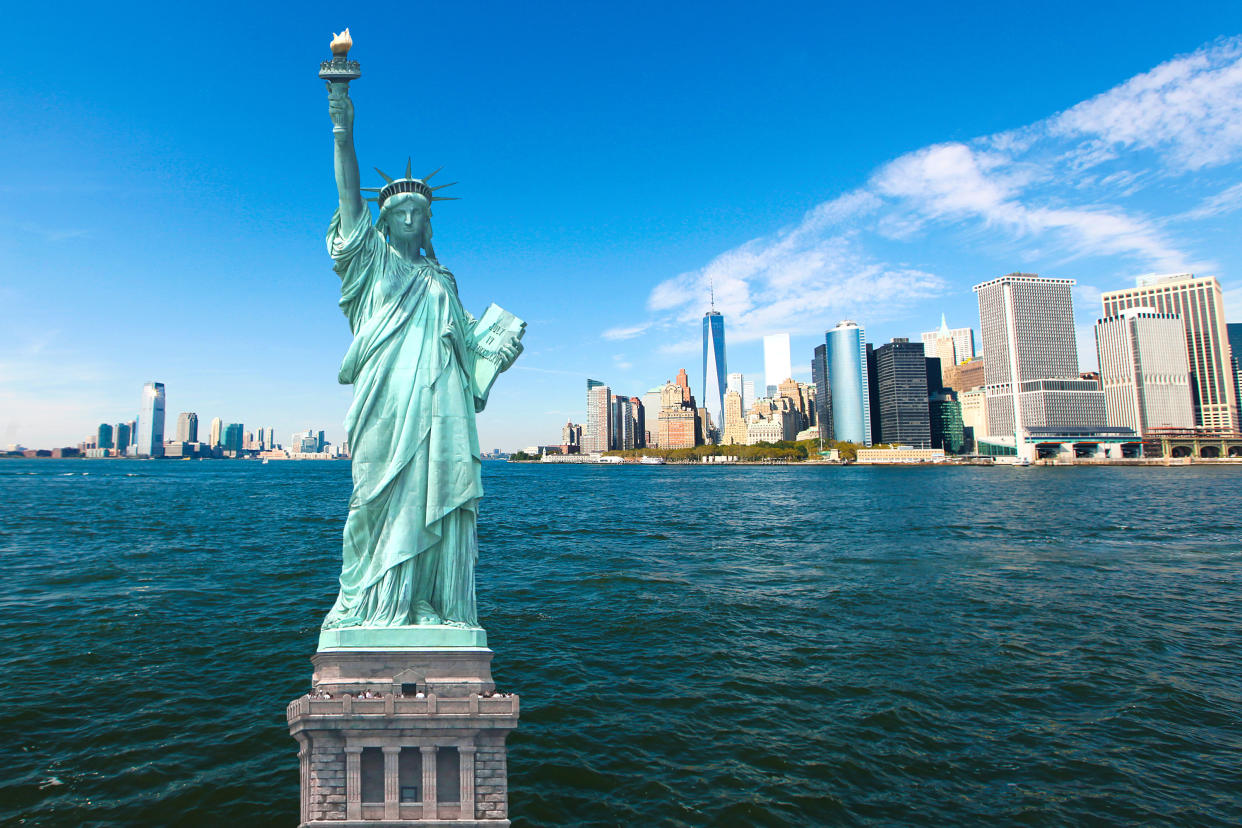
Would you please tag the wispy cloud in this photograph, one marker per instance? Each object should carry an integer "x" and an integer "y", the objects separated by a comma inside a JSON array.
[
  {"x": 1064, "y": 188},
  {"x": 626, "y": 332}
]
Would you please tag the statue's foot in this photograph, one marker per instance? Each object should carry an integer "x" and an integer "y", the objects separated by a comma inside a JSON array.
[{"x": 425, "y": 614}]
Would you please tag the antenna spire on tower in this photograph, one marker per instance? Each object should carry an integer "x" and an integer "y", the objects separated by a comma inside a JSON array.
[{"x": 711, "y": 286}]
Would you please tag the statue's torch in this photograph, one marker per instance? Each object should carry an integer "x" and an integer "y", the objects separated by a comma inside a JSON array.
[{"x": 338, "y": 72}]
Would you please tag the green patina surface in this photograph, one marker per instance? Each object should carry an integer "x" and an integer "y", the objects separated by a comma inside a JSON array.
[{"x": 410, "y": 543}]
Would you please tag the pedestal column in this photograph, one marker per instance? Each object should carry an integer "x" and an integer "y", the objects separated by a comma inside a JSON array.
[
  {"x": 429, "y": 782},
  {"x": 466, "y": 755},
  {"x": 392, "y": 792},
  {"x": 353, "y": 782}
]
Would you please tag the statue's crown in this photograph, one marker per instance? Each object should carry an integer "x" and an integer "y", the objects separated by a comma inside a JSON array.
[{"x": 409, "y": 184}]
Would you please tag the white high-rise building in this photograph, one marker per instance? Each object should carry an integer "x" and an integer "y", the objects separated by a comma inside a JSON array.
[
  {"x": 777, "y": 366},
  {"x": 1200, "y": 303},
  {"x": 1145, "y": 370},
  {"x": 151, "y": 421},
  {"x": 748, "y": 394},
  {"x": 217, "y": 431},
  {"x": 734, "y": 382},
  {"x": 598, "y": 432},
  {"x": 1027, "y": 325},
  {"x": 963, "y": 340}
]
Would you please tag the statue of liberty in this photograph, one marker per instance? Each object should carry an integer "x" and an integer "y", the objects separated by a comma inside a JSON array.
[{"x": 416, "y": 365}]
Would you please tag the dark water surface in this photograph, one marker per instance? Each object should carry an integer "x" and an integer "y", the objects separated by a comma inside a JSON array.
[{"x": 693, "y": 646}]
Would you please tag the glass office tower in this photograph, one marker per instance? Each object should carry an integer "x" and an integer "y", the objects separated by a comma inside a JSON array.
[
  {"x": 847, "y": 378},
  {"x": 714, "y": 367}
]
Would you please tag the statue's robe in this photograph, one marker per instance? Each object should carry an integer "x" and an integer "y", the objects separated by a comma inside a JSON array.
[{"x": 410, "y": 535}]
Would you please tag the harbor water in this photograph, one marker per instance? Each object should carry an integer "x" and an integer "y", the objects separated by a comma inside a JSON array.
[{"x": 733, "y": 646}]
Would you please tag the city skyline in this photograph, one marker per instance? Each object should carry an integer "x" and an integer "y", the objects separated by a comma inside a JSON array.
[{"x": 1118, "y": 159}]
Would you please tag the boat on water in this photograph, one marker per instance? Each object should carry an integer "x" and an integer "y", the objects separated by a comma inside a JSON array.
[{"x": 651, "y": 461}]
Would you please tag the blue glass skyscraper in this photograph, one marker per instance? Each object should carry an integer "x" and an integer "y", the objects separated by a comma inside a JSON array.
[
  {"x": 714, "y": 369},
  {"x": 847, "y": 376}
]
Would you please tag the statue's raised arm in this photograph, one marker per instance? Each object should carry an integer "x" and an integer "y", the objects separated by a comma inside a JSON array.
[{"x": 341, "y": 110}]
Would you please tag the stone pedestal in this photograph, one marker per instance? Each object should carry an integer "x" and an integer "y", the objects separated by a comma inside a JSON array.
[{"x": 428, "y": 746}]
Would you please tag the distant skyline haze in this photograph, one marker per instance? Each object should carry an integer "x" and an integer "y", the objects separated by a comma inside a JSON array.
[{"x": 620, "y": 168}]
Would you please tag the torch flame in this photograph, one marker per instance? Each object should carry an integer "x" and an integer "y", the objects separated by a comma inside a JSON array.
[{"x": 342, "y": 43}]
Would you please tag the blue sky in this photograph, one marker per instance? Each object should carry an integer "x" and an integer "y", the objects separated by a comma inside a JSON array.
[{"x": 167, "y": 180}]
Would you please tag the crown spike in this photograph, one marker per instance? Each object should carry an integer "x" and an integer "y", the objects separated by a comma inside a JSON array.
[
  {"x": 370, "y": 189},
  {"x": 446, "y": 198},
  {"x": 441, "y": 186},
  {"x": 388, "y": 178},
  {"x": 373, "y": 199},
  {"x": 433, "y": 172},
  {"x": 408, "y": 167}
]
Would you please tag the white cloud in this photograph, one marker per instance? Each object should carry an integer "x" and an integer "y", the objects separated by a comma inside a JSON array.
[
  {"x": 1062, "y": 189},
  {"x": 1188, "y": 109},
  {"x": 1226, "y": 201},
  {"x": 626, "y": 332}
]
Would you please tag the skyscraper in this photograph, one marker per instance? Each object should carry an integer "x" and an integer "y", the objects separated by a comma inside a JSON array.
[
  {"x": 103, "y": 436},
  {"x": 1201, "y": 305},
  {"x": 823, "y": 392},
  {"x": 234, "y": 438},
  {"x": 151, "y": 421},
  {"x": 733, "y": 432},
  {"x": 651, "y": 416},
  {"x": 714, "y": 368},
  {"x": 187, "y": 427},
  {"x": 1145, "y": 370},
  {"x": 962, "y": 343},
  {"x": 776, "y": 364},
  {"x": 599, "y": 417},
  {"x": 901, "y": 383},
  {"x": 122, "y": 436},
  {"x": 1027, "y": 324},
  {"x": 734, "y": 382},
  {"x": 848, "y": 381},
  {"x": 217, "y": 431},
  {"x": 1234, "y": 330},
  {"x": 622, "y": 437}
]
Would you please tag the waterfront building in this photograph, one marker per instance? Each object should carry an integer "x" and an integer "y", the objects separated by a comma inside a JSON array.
[
  {"x": 599, "y": 417},
  {"x": 974, "y": 404},
  {"x": 1145, "y": 370},
  {"x": 232, "y": 439},
  {"x": 807, "y": 393},
  {"x": 823, "y": 391},
  {"x": 1234, "y": 334},
  {"x": 151, "y": 421},
  {"x": 217, "y": 431},
  {"x": 571, "y": 435},
  {"x": 1027, "y": 324},
  {"x": 734, "y": 419},
  {"x": 187, "y": 427},
  {"x": 959, "y": 348},
  {"x": 901, "y": 387},
  {"x": 652, "y": 403},
  {"x": 900, "y": 454},
  {"x": 121, "y": 437},
  {"x": 622, "y": 424},
  {"x": 748, "y": 394},
  {"x": 676, "y": 427},
  {"x": 1200, "y": 303},
  {"x": 776, "y": 362},
  {"x": 964, "y": 376},
  {"x": 788, "y": 389},
  {"x": 848, "y": 380},
  {"x": 103, "y": 436},
  {"x": 683, "y": 385},
  {"x": 638, "y": 413},
  {"x": 714, "y": 368},
  {"x": 945, "y": 415}
]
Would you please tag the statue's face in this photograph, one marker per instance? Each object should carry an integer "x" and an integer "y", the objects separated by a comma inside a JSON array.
[{"x": 407, "y": 220}]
